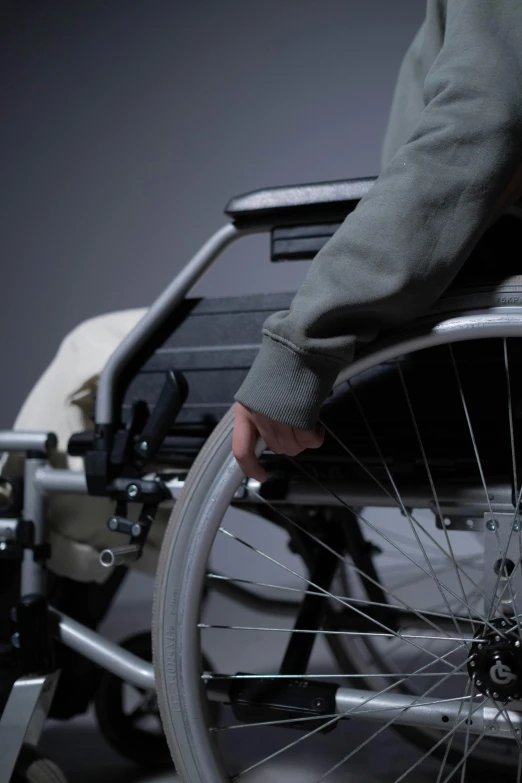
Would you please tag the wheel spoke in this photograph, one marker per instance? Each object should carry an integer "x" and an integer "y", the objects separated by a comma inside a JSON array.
[
  {"x": 361, "y": 573},
  {"x": 510, "y": 415},
  {"x": 468, "y": 753},
  {"x": 391, "y": 635},
  {"x": 437, "y": 504},
  {"x": 360, "y": 601},
  {"x": 285, "y": 721},
  {"x": 209, "y": 676},
  {"x": 516, "y": 736},
  {"x": 397, "y": 499},
  {"x": 449, "y": 735},
  {"x": 387, "y": 726},
  {"x": 452, "y": 737},
  {"x": 487, "y": 493},
  {"x": 338, "y": 717},
  {"x": 303, "y": 578},
  {"x": 466, "y": 744},
  {"x": 372, "y": 527}
]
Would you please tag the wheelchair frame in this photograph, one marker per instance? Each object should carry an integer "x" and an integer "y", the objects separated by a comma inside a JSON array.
[{"x": 31, "y": 696}]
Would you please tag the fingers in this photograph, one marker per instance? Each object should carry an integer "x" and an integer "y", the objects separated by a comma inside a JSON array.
[
  {"x": 284, "y": 439},
  {"x": 244, "y": 439},
  {"x": 310, "y": 439},
  {"x": 280, "y": 438}
]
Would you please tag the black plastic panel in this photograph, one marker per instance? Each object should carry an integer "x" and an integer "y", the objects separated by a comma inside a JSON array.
[{"x": 323, "y": 202}]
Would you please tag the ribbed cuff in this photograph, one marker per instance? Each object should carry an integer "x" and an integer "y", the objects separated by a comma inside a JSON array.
[{"x": 288, "y": 386}]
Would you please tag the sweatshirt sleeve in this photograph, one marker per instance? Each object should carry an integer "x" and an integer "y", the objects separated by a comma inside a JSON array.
[{"x": 408, "y": 238}]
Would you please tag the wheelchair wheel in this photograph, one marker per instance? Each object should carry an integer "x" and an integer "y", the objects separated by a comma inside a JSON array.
[
  {"x": 399, "y": 544},
  {"x": 34, "y": 768},
  {"x": 128, "y": 717}
]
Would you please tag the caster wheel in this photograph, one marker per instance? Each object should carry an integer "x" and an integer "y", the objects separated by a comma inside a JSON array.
[
  {"x": 34, "y": 768},
  {"x": 128, "y": 716}
]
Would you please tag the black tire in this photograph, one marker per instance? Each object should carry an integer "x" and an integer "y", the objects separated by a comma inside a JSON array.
[{"x": 145, "y": 748}]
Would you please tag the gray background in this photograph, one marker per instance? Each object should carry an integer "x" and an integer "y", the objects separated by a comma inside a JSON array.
[{"x": 127, "y": 125}]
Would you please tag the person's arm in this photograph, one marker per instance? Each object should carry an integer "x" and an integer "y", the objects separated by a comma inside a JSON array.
[{"x": 407, "y": 239}]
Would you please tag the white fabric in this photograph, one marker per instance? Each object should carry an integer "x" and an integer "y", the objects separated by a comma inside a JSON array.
[{"x": 61, "y": 402}]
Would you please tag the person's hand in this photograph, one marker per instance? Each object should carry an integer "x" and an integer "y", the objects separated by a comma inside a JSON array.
[{"x": 280, "y": 438}]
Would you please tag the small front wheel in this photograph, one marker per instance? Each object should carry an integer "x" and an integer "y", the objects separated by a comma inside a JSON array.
[{"x": 128, "y": 717}]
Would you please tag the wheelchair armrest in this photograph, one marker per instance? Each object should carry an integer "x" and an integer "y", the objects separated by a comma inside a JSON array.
[{"x": 323, "y": 202}]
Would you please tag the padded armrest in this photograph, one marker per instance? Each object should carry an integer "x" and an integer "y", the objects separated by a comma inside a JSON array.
[{"x": 298, "y": 204}]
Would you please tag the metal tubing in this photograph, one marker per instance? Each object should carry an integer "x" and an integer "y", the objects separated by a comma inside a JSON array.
[
  {"x": 425, "y": 713},
  {"x": 23, "y": 718},
  {"x": 460, "y": 500},
  {"x": 120, "y": 555},
  {"x": 65, "y": 482},
  {"x": 105, "y": 653},
  {"x": 40, "y": 442},
  {"x": 156, "y": 315},
  {"x": 33, "y": 578}
]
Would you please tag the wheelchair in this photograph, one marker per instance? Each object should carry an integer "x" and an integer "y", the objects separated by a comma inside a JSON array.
[{"x": 367, "y": 586}]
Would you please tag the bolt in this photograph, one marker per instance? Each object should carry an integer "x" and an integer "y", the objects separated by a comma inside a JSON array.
[
  {"x": 495, "y": 695},
  {"x": 503, "y": 623},
  {"x": 492, "y": 524},
  {"x": 480, "y": 646},
  {"x": 517, "y": 730},
  {"x": 113, "y": 524},
  {"x": 133, "y": 491},
  {"x": 493, "y": 728},
  {"x": 479, "y": 683},
  {"x": 136, "y": 529},
  {"x": 15, "y": 640},
  {"x": 144, "y": 446},
  {"x": 517, "y": 643},
  {"x": 472, "y": 664},
  {"x": 497, "y": 638},
  {"x": 317, "y": 704},
  {"x": 516, "y": 527}
]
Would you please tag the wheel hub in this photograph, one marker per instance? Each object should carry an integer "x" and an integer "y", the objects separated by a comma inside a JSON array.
[{"x": 496, "y": 660}]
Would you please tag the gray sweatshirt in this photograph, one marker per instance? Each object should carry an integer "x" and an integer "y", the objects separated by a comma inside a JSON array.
[{"x": 452, "y": 160}]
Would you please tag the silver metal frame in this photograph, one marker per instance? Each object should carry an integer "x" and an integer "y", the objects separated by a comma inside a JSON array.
[
  {"x": 156, "y": 315},
  {"x": 24, "y": 717},
  {"x": 31, "y": 697}
]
